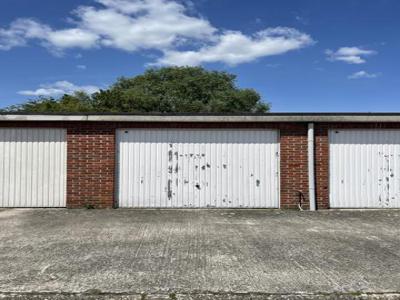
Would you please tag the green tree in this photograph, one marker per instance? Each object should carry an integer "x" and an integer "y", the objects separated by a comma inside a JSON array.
[
  {"x": 164, "y": 90},
  {"x": 78, "y": 102}
]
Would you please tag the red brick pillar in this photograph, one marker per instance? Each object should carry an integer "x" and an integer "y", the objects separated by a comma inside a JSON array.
[
  {"x": 90, "y": 165},
  {"x": 294, "y": 166},
  {"x": 322, "y": 166}
]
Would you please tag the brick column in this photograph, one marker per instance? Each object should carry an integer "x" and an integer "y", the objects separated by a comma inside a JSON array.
[
  {"x": 91, "y": 165},
  {"x": 322, "y": 166},
  {"x": 294, "y": 167}
]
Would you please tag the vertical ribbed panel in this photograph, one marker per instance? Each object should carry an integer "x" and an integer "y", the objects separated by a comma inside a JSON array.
[
  {"x": 33, "y": 167},
  {"x": 198, "y": 168},
  {"x": 364, "y": 168}
]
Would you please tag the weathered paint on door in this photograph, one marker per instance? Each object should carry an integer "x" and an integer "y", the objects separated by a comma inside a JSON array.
[
  {"x": 33, "y": 167},
  {"x": 185, "y": 168},
  {"x": 364, "y": 168}
]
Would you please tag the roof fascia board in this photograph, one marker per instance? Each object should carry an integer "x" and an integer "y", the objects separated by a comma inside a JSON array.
[{"x": 207, "y": 118}]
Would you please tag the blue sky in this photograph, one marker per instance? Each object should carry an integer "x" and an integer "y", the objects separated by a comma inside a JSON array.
[{"x": 301, "y": 55}]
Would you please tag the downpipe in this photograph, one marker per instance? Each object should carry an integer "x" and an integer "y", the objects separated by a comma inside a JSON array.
[{"x": 311, "y": 170}]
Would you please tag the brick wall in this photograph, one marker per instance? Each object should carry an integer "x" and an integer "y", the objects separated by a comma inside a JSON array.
[
  {"x": 294, "y": 165},
  {"x": 90, "y": 165},
  {"x": 321, "y": 164}
]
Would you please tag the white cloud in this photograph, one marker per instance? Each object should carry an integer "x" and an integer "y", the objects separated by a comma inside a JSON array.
[
  {"x": 59, "y": 88},
  {"x": 163, "y": 25},
  {"x": 350, "y": 55},
  {"x": 23, "y": 30},
  {"x": 124, "y": 24},
  {"x": 234, "y": 47},
  {"x": 81, "y": 67},
  {"x": 363, "y": 74},
  {"x": 10, "y": 38},
  {"x": 148, "y": 24}
]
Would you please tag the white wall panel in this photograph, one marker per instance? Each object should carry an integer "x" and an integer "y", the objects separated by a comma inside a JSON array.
[
  {"x": 198, "y": 168},
  {"x": 32, "y": 167},
  {"x": 364, "y": 168}
]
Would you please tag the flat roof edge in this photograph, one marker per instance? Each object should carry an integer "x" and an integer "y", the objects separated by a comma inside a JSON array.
[{"x": 380, "y": 117}]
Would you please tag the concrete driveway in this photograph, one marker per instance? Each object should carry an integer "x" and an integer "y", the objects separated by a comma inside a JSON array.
[{"x": 139, "y": 254}]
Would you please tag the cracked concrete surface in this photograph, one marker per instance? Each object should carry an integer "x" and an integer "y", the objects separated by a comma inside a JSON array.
[{"x": 198, "y": 252}]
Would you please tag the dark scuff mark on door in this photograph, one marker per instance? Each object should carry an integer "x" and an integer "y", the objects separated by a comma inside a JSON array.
[
  {"x": 169, "y": 189},
  {"x": 258, "y": 182},
  {"x": 170, "y": 155},
  {"x": 386, "y": 180}
]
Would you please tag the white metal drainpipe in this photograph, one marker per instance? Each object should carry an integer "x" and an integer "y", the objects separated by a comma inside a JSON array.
[{"x": 311, "y": 174}]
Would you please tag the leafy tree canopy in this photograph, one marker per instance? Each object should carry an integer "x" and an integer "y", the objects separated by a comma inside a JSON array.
[{"x": 164, "y": 90}]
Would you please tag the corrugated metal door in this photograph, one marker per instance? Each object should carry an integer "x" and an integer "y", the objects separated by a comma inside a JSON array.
[
  {"x": 198, "y": 168},
  {"x": 364, "y": 168},
  {"x": 32, "y": 167}
]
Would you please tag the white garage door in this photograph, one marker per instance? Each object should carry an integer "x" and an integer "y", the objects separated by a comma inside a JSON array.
[
  {"x": 364, "y": 168},
  {"x": 32, "y": 167},
  {"x": 198, "y": 168}
]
